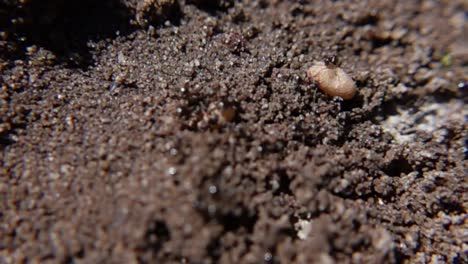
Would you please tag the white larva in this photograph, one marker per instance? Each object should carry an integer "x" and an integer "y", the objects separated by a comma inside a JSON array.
[{"x": 332, "y": 80}]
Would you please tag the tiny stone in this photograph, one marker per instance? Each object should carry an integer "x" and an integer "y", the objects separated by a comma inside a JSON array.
[
  {"x": 213, "y": 189},
  {"x": 268, "y": 257},
  {"x": 172, "y": 171},
  {"x": 303, "y": 228},
  {"x": 173, "y": 152}
]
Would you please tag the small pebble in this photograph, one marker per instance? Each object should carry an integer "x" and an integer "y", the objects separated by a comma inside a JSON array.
[
  {"x": 332, "y": 80},
  {"x": 462, "y": 85},
  {"x": 172, "y": 171},
  {"x": 213, "y": 189}
]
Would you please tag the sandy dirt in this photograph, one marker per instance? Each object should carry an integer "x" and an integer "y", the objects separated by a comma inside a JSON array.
[{"x": 173, "y": 131}]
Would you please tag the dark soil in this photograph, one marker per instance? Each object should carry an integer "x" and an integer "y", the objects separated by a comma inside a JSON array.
[{"x": 166, "y": 131}]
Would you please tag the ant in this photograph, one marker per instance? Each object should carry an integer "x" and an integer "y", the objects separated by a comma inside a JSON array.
[{"x": 331, "y": 61}]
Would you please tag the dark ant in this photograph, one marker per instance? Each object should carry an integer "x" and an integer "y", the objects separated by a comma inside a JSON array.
[{"x": 331, "y": 61}]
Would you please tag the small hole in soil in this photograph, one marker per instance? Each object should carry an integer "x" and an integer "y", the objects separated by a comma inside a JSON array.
[
  {"x": 398, "y": 167},
  {"x": 449, "y": 206},
  {"x": 356, "y": 102},
  {"x": 284, "y": 183},
  {"x": 156, "y": 235},
  {"x": 400, "y": 257},
  {"x": 369, "y": 19},
  {"x": 232, "y": 222},
  {"x": 380, "y": 42},
  {"x": 297, "y": 11},
  {"x": 263, "y": 4},
  {"x": 213, "y": 249},
  {"x": 5, "y": 140}
]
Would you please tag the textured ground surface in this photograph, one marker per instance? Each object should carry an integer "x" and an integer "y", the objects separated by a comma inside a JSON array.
[{"x": 187, "y": 132}]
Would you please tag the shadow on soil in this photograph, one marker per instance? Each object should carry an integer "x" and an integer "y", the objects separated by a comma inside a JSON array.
[{"x": 64, "y": 27}]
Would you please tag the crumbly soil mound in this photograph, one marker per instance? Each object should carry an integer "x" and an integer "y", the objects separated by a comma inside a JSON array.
[{"x": 188, "y": 132}]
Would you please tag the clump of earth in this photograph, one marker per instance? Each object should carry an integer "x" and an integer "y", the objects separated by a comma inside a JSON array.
[{"x": 173, "y": 131}]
